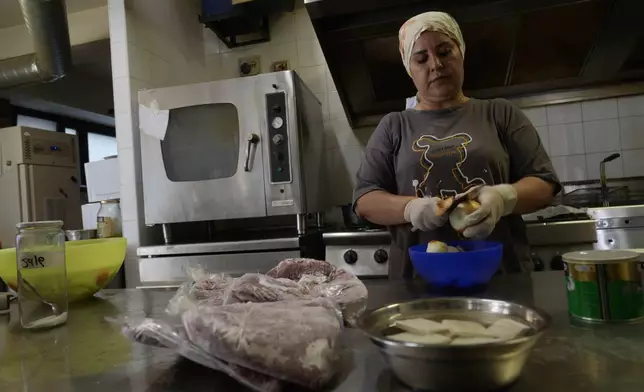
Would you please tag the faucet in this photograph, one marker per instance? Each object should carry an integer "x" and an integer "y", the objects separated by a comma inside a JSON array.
[{"x": 602, "y": 175}]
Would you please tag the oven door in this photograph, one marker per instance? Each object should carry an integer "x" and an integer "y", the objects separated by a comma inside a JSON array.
[{"x": 209, "y": 164}]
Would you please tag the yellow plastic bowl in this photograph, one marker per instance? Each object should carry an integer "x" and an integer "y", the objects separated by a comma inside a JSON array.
[{"x": 91, "y": 265}]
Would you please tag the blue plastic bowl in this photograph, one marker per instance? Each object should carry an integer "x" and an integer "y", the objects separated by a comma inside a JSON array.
[{"x": 474, "y": 267}]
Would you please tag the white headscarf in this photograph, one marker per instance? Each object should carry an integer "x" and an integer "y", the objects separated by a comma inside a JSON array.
[{"x": 429, "y": 21}]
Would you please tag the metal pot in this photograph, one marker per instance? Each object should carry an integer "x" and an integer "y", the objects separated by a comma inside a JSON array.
[
  {"x": 78, "y": 235},
  {"x": 474, "y": 368}
]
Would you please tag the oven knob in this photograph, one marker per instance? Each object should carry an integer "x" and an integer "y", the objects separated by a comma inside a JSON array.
[
  {"x": 556, "y": 264},
  {"x": 277, "y": 122},
  {"x": 278, "y": 139},
  {"x": 350, "y": 257},
  {"x": 381, "y": 256}
]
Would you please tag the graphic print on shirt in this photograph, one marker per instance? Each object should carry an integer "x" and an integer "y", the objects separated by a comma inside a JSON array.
[{"x": 442, "y": 156}]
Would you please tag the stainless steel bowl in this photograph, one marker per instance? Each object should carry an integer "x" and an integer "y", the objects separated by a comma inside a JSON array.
[
  {"x": 475, "y": 368},
  {"x": 78, "y": 235}
]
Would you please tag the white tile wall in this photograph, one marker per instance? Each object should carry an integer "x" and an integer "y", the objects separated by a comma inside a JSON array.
[
  {"x": 599, "y": 109},
  {"x": 570, "y": 167},
  {"x": 631, "y": 106},
  {"x": 566, "y": 139},
  {"x": 578, "y": 136},
  {"x": 154, "y": 44},
  {"x": 564, "y": 114},
  {"x": 633, "y": 162},
  {"x": 314, "y": 77},
  {"x": 601, "y": 135},
  {"x": 537, "y": 116},
  {"x": 632, "y": 132}
]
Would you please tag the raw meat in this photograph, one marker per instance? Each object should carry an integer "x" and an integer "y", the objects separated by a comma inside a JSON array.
[
  {"x": 263, "y": 288},
  {"x": 323, "y": 280},
  {"x": 291, "y": 340},
  {"x": 294, "y": 269},
  {"x": 204, "y": 289},
  {"x": 506, "y": 329},
  {"x": 421, "y": 326},
  {"x": 161, "y": 334},
  {"x": 421, "y": 339}
]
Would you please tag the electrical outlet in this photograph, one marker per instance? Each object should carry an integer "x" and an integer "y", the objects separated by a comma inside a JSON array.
[
  {"x": 281, "y": 65},
  {"x": 249, "y": 66}
]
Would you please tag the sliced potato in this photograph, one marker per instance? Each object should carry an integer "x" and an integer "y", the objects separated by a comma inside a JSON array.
[
  {"x": 466, "y": 328},
  {"x": 507, "y": 329},
  {"x": 421, "y": 339},
  {"x": 468, "y": 341},
  {"x": 421, "y": 326}
]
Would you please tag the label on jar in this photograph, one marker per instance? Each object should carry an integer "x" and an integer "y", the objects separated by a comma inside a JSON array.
[
  {"x": 34, "y": 260},
  {"x": 583, "y": 292},
  {"x": 105, "y": 227}
]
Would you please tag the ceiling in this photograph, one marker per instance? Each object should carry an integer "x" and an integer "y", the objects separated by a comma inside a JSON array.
[{"x": 10, "y": 14}]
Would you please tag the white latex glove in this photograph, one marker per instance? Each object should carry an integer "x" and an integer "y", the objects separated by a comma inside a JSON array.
[
  {"x": 427, "y": 213},
  {"x": 496, "y": 202}
]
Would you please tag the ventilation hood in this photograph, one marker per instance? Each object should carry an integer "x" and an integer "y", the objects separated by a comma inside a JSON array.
[
  {"x": 517, "y": 49},
  {"x": 46, "y": 21}
]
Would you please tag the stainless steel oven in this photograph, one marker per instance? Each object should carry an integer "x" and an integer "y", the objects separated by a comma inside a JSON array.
[
  {"x": 239, "y": 148},
  {"x": 231, "y": 169}
]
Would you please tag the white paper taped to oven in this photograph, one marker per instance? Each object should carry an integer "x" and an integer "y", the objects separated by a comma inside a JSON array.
[{"x": 153, "y": 121}]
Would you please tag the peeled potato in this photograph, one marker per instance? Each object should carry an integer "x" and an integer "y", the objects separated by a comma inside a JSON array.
[
  {"x": 437, "y": 247},
  {"x": 457, "y": 217}
]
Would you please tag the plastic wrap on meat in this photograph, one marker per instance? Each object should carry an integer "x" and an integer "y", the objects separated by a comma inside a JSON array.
[
  {"x": 295, "y": 268},
  {"x": 204, "y": 289},
  {"x": 323, "y": 280},
  {"x": 159, "y": 333},
  {"x": 262, "y": 288},
  {"x": 291, "y": 340},
  {"x": 349, "y": 295},
  {"x": 150, "y": 332}
]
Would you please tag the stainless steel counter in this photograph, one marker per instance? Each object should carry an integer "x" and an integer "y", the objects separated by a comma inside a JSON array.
[{"x": 89, "y": 354}]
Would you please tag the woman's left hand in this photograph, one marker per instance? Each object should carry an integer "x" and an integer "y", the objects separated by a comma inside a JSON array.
[{"x": 496, "y": 202}]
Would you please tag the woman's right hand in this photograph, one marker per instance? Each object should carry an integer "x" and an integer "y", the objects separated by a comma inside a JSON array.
[{"x": 427, "y": 213}]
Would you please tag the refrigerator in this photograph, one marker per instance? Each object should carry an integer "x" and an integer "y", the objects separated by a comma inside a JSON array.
[{"x": 39, "y": 179}]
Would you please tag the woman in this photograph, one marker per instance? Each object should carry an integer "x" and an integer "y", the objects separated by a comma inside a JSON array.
[{"x": 446, "y": 145}]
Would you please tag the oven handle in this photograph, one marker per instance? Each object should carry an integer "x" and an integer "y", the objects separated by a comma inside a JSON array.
[{"x": 253, "y": 139}]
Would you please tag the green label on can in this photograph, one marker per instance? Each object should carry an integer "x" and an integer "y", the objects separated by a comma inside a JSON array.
[
  {"x": 583, "y": 299},
  {"x": 625, "y": 300}
]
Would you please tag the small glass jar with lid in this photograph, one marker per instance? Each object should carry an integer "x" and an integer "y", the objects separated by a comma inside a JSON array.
[
  {"x": 42, "y": 274},
  {"x": 108, "y": 220}
]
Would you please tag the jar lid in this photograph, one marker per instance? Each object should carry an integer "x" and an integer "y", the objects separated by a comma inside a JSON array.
[
  {"x": 600, "y": 256},
  {"x": 39, "y": 225},
  {"x": 110, "y": 201}
]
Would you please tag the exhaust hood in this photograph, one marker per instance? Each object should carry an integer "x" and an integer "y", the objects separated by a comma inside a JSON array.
[{"x": 515, "y": 48}]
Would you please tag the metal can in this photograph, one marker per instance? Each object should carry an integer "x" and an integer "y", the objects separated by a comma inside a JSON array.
[
  {"x": 42, "y": 274},
  {"x": 108, "y": 220},
  {"x": 604, "y": 285}
]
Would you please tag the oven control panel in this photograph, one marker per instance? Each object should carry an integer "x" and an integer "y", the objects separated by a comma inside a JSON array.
[
  {"x": 280, "y": 159},
  {"x": 362, "y": 260}
]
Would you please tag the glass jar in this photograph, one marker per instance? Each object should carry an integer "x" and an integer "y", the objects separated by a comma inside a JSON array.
[
  {"x": 42, "y": 274},
  {"x": 108, "y": 220}
]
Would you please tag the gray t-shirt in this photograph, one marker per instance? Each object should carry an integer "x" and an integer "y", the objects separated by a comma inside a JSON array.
[{"x": 445, "y": 152}]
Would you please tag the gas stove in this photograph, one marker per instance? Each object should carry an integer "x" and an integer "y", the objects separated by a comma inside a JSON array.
[{"x": 363, "y": 252}]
